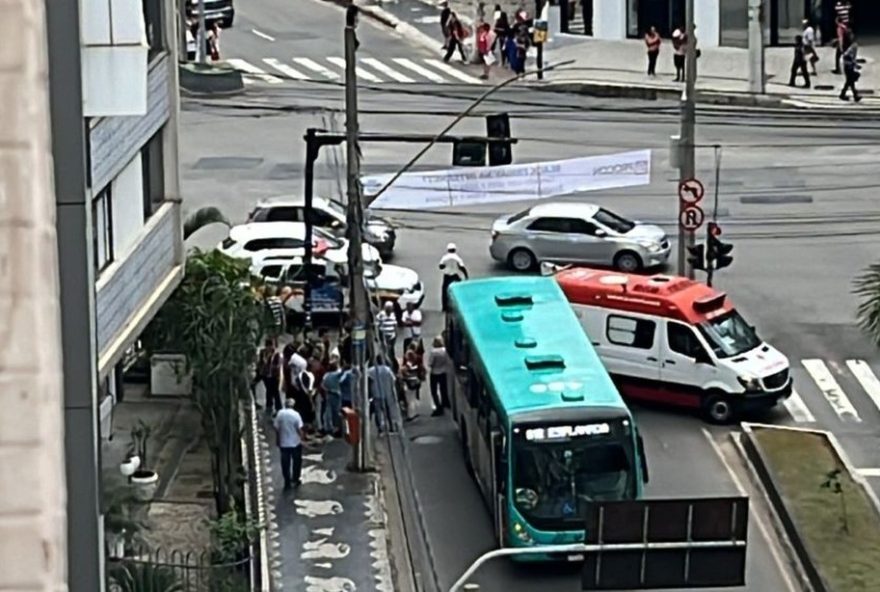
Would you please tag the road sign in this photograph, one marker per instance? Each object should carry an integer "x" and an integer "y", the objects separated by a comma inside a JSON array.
[
  {"x": 691, "y": 191},
  {"x": 691, "y": 217}
]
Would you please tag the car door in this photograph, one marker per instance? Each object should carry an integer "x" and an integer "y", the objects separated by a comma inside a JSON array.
[
  {"x": 686, "y": 365},
  {"x": 590, "y": 243},
  {"x": 551, "y": 238}
]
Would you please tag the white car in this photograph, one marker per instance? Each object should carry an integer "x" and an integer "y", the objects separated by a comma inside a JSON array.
[
  {"x": 328, "y": 214},
  {"x": 245, "y": 240}
]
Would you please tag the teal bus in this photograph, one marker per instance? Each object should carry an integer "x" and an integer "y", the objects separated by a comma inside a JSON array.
[{"x": 543, "y": 428}]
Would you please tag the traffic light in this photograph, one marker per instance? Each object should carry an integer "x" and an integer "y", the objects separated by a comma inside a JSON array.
[
  {"x": 498, "y": 126},
  {"x": 697, "y": 258},
  {"x": 717, "y": 252}
]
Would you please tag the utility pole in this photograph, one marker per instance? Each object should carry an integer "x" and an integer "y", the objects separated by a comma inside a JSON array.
[
  {"x": 686, "y": 162},
  {"x": 360, "y": 310},
  {"x": 202, "y": 41},
  {"x": 756, "y": 47}
]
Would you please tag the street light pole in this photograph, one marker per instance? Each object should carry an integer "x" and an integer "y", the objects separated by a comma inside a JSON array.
[
  {"x": 360, "y": 311},
  {"x": 202, "y": 49},
  {"x": 687, "y": 158}
]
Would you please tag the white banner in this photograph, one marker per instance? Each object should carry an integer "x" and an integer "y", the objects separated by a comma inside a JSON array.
[{"x": 513, "y": 182}]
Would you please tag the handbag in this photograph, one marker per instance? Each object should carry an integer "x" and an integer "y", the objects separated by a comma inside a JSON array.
[{"x": 489, "y": 58}]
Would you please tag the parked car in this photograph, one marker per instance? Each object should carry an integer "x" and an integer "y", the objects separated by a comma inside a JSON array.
[
  {"x": 577, "y": 233},
  {"x": 328, "y": 214},
  {"x": 215, "y": 10},
  {"x": 245, "y": 240}
]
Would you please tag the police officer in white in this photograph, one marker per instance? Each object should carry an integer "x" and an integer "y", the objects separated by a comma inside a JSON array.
[
  {"x": 412, "y": 325},
  {"x": 453, "y": 271}
]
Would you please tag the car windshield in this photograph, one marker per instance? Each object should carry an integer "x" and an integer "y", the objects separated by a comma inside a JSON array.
[
  {"x": 519, "y": 216},
  {"x": 554, "y": 480},
  {"x": 729, "y": 335},
  {"x": 613, "y": 221}
]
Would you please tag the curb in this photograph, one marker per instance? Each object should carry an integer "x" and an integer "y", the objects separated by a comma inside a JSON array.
[{"x": 383, "y": 17}]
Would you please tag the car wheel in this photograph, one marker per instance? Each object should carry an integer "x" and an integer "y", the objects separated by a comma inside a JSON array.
[
  {"x": 627, "y": 262},
  {"x": 718, "y": 409},
  {"x": 522, "y": 260}
]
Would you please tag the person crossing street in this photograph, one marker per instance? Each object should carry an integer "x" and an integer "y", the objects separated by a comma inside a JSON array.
[{"x": 453, "y": 269}]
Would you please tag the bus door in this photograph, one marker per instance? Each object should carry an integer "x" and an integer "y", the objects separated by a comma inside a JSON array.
[
  {"x": 499, "y": 480},
  {"x": 481, "y": 441}
]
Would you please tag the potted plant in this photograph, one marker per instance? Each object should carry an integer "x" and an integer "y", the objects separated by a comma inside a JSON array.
[
  {"x": 143, "y": 577},
  {"x": 144, "y": 479},
  {"x": 122, "y": 527}
]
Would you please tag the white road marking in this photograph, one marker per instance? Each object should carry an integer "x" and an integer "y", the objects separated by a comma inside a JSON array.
[
  {"x": 361, "y": 73},
  {"x": 782, "y": 565},
  {"x": 285, "y": 69},
  {"x": 316, "y": 67},
  {"x": 421, "y": 70},
  {"x": 253, "y": 71},
  {"x": 866, "y": 377},
  {"x": 831, "y": 390},
  {"x": 386, "y": 70},
  {"x": 868, "y": 472},
  {"x": 798, "y": 409},
  {"x": 441, "y": 65},
  {"x": 263, "y": 35}
]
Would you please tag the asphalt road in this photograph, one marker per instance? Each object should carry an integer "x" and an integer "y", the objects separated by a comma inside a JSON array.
[{"x": 797, "y": 197}]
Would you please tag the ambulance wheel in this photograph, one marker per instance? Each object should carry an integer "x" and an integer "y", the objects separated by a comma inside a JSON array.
[
  {"x": 522, "y": 260},
  {"x": 718, "y": 408},
  {"x": 627, "y": 262}
]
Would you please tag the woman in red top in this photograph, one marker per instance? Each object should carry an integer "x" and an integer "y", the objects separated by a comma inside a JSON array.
[
  {"x": 652, "y": 42},
  {"x": 485, "y": 41}
]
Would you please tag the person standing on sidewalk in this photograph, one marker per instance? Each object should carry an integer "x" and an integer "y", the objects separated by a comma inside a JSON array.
[
  {"x": 411, "y": 319},
  {"x": 502, "y": 33},
  {"x": 411, "y": 372},
  {"x": 652, "y": 43},
  {"x": 851, "y": 69},
  {"x": 439, "y": 365},
  {"x": 289, "y": 434},
  {"x": 387, "y": 323},
  {"x": 799, "y": 63},
  {"x": 485, "y": 42},
  {"x": 679, "y": 48},
  {"x": 332, "y": 417},
  {"x": 453, "y": 269},
  {"x": 269, "y": 373},
  {"x": 381, "y": 383}
]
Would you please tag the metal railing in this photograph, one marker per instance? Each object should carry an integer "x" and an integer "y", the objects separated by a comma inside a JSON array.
[{"x": 192, "y": 571}]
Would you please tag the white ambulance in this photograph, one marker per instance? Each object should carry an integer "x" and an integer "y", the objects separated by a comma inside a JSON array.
[{"x": 674, "y": 340}]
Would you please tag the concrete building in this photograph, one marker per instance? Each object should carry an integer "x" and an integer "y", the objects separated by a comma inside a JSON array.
[
  {"x": 114, "y": 105},
  {"x": 32, "y": 506}
]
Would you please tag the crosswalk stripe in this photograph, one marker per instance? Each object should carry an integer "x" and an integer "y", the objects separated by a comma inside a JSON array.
[
  {"x": 386, "y": 70},
  {"x": 253, "y": 70},
  {"x": 316, "y": 67},
  {"x": 798, "y": 409},
  {"x": 361, "y": 73},
  {"x": 421, "y": 70},
  {"x": 285, "y": 69},
  {"x": 831, "y": 390},
  {"x": 866, "y": 377},
  {"x": 441, "y": 65}
]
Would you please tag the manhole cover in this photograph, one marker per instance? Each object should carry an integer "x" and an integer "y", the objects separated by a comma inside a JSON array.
[
  {"x": 427, "y": 439},
  {"x": 216, "y": 163}
]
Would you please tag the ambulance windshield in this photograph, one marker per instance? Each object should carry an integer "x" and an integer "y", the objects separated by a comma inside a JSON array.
[{"x": 729, "y": 335}]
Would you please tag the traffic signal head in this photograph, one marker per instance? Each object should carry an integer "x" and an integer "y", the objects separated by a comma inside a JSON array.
[
  {"x": 714, "y": 229},
  {"x": 498, "y": 126},
  {"x": 697, "y": 257},
  {"x": 468, "y": 153},
  {"x": 717, "y": 252}
]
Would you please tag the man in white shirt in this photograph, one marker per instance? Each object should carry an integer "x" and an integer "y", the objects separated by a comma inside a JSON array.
[
  {"x": 412, "y": 325},
  {"x": 453, "y": 269},
  {"x": 289, "y": 431},
  {"x": 298, "y": 362},
  {"x": 387, "y": 323}
]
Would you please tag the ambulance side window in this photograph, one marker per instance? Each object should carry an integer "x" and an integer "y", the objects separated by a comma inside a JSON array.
[
  {"x": 682, "y": 340},
  {"x": 630, "y": 332}
]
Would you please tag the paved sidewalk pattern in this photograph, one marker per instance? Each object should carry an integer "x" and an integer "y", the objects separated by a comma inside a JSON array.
[{"x": 332, "y": 534}]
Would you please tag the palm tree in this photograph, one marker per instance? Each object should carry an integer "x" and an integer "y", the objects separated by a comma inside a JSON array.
[
  {"x": 201, "y": 218},
  {"x": 866, "y": 287}
]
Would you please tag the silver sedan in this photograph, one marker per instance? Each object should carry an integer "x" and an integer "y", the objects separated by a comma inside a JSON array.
[{"x": 576, "y": 233}]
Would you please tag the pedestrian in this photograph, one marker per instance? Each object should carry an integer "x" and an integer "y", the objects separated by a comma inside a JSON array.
[
  {"x": 303, "y": 398},
  {"x": 412, "y": 325},
  {"x": 439, "y": 365},
  {"x": 502, "y": 33},
  {"x": 842, "y": 28},
  {"x": 212, "y": 39},
  {"x": 276, "y": 310},
  {"x": 269, "y": 366},
  {"x": 332, "y": 415},
  {"x": 679, "y": 49},
  {"x": 382, "y": 391},
  {"x": 799, "y": 63},
  {"x": 652, "y": 43},
  {"x": 456, "y": 36},
  {"x": 485, "y": 41},
  {"x": 324, "y": 338},
  {"x": 289, "y": 436},
  {"x": 411, "y": 373},
  {"x": 809, "y": 36},
  {"x": 521, "y": 43},
  {"x": 445, "y": 13},
  {"x": 387, "y": 324},
  {"x": 453, "y": 269},
  {"x": 346, "y": 385},
  {"x": 851, "y": 69}
]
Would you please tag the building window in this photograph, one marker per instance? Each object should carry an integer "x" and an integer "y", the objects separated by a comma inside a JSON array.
[
  {"x": 102, "y": 229},
  {"x": 153, "y": 22},
  {"x": 154, "y": 175}
]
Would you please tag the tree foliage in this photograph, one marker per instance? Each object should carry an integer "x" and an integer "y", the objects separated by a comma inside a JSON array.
[
  {"x": 215, "y": 319},
  {"x": 867, "y": 288},
  {"x": 201, "y": 218}
]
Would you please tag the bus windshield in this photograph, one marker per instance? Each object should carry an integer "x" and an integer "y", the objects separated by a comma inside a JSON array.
[{"x": 554, "y": 477}]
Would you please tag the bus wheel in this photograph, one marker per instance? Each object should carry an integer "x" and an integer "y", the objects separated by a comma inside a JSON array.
[{"x": 718, "y": 409}]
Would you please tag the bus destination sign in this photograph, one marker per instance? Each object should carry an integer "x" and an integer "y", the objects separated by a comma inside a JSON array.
[{"x": 567, "y": 431}]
